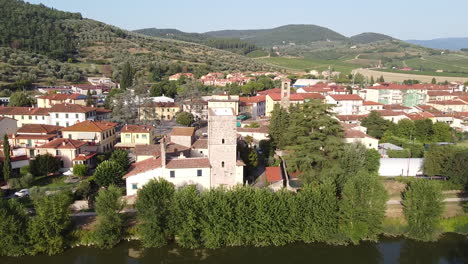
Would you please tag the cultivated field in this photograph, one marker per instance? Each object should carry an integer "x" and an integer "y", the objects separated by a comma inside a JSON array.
[{"x": 399, "y": 77}]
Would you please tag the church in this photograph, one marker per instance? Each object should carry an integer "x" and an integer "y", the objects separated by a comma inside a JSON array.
[{"x": 183, "y": 159}]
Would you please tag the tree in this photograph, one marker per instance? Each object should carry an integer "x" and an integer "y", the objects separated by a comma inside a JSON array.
[
  {"x": 43, "y": 165},
  {"x": 372, "y": 80},
  {"x": 13, "y": 227},
  {"x": 153, "y": 206},
  {"x": 6, "y": 160},
  {"x": 376, "y": 125},
  {"x": 20, "y": 99},
  {"x": 405, "y": 129},
  {"x": 315, "y": 141},
  {"x": 437, "y": 159},
  {"x": 47, "y": 229},
  {"x": 362, "y": 207},
  {"x": 216, "y": 221},
  {"x": 381, "y": 79},
  {"x": 442, "y": 132},
  {"x": 424, "y": 130},
  {"x": 109, "y": 172},
  {"x": 89, "y": 99},
  {"x": 185, "y": 217},
  {"x": 127, "y": 75},
  {"x": 110, "y": 222},
  {"x": 456, "y": 168},
  {"x": 80, "y": 170},
  {"x": 372, "y": 163},
  {"x": 278, "y": 125},
  {"x": 433, "y": 81},
  {"x": 184, "y": 118},
  {"x": 121, "y": 157},
  {"x": 422, "y": 207}
]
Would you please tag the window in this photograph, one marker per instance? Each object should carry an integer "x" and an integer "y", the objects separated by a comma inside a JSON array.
[
  {"x": 222, "y": 164},
  {"x": 67, "y": 124},
  {"x": 22, "y": 117},
  {"x": 172, "y": 174},
  {"x": 43, "y": 118},
  {"x": 57, "y": 123},
  {"x": 134, "y": 186},
  {"x": 36, "y": 117},
  {"x": 56, "y": 115},
  {"x": 30, "y": 117},
  {"x": 144, "y": 136},
  {"x": 70, "y": 136},
  {"x": 66, "y": 115},
  {"x": 137, "y": 135},
  {"x": 199, "y": 173},
  {"x": 76, "y": 115},
  {"x": 127, "y": 135},
  {"x": 57, "y": 152},
  {"x": 222, "y": 141}
]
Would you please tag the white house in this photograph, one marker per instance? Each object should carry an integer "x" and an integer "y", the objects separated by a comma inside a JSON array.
[
  {"x": 345, "y": 104},
  {"x": 69, "y": 114}
]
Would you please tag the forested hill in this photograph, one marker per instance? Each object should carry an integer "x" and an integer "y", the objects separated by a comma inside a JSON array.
[
  {"x": 229, "y": 44},
  {"x": 36, "y": 28},
  {"x": 297, "y": 34},
  {"x": 369, "y": 37}
]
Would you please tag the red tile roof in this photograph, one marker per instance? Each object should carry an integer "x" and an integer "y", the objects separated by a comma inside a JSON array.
[
  {"x": 24, "y": 111},
  {"x": 61, "y": 97},
  {"x": 346, "y": 97},
  {"x": 312, "y": 96},
  {"x": 273, "y": 174},
  {"x": 85, "y": 156},
  {"x": 270, "y": 91},
  {"x": 389, "y": 112},
  {"x": 63, "y": 143},
  {"x": 91, "y": 126},
  {"x": 201, "y": 143},
  {"x": 137, "y": 129},
  {"x": 186, "y": 163},
  {"x": 448, "y": 102},
  {"x": 183, "y": 131},
  {"x": 253, "y": 99},
  {"x": 395, "y": 107},
  {"x": 351, "y": 133},
  {"x": 38, "y": 129},
  {"x": 71, "y": 108},
  {"x": 293, "y": 97},
  {"x": 143, "y": 166},
  {"x": 370, "y": 103}
]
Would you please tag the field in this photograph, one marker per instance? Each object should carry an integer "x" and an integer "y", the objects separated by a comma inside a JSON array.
[
  {"x": 301, "y": 64},
  {"x": 399, "y": 77},
  {"x": 428, "y": 73}
]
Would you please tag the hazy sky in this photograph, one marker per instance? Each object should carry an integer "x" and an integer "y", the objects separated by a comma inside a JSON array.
[{"x": 403, "y": 19}]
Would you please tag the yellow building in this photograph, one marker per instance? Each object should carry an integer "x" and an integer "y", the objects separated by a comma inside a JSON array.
[
  {"x": 141, "y": 135},
  {"x": 69, "y": 151},
  {"x": 47, "y": 101},
  {"x": 100, "y": 135},
  {"x": 159, "y": 111},
  {"x": 30, "y": 136}
]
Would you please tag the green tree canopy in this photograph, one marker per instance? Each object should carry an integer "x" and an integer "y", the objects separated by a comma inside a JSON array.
[
  {"x": 109, "y": 172},
  {"x": 184, "y": 118},
  {"x": 42, "y": 165},
  {"x": 20, "y": 99},
  {"x": 6, "y": 159},
  {"x": 13, "y": 227},
  {"x": 376, "y": 125},
  {"x": 121, "y": 157}
]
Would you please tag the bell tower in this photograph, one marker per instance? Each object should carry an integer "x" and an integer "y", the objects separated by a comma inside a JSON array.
[{"x": 285, "y": 92}]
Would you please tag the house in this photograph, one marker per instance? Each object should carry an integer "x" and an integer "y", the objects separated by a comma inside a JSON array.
[
  {"x": 30, "y": 136},
  {"x": 197, "y": 107},
  {"x": 158, "y": 111},
  {"x": 307, "y": 82},
  {"x": 393, "y": 116},
  {"x": 351, "y": 119},
  {"x": 398, "y": 108},
  {"x": 354, "y": 135},
  {"x": 69, "y": 151},
  {"x": 47, "y": 101},
  {"x": 219, "y": 168},
  {"x": 69, "y": 114},
  {"x": 254, "y": 106},
  {"x": 407, "y": 95},
  {"x": 17, "y": 160},
  {"x": 274, "y": 177},
  {"x": 26, "y": 115},
  {"x": 7, "y": 126},
  {"x": 84, "y": 89},
  {"x": 100, "y": 135},
  {"x": 369, "y": 106},
  {"x": 258, "y": 134},
  {"x": 345, "y": 104},
  {"x": 177, "y": 76},
  {"x": 96, "y": 81},
  {"x": 132, "y": 135},
  {"x": 200, "y": 148},
  {"x": 450, "y": 106},
  {"x": 284, "y": 98}
]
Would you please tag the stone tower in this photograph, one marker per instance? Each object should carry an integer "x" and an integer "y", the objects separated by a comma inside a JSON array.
[
  {"x": 222, "y": 147},
  {"x": 285, "y": 93}
]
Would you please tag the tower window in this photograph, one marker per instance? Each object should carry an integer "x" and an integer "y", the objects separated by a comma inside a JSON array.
[
  {"x": 222, "y": 164},
  {"x": 222, "y": 141}
]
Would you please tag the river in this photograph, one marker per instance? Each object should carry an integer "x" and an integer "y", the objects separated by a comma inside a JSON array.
[{"x": 451, "y": 248}]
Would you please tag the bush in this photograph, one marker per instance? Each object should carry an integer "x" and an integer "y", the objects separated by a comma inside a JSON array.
[
  {"x": 184, "y": 118},
  {"x": 121, "y": 157},
  {"x": 25, "y": 170},
  {"x": 398, "y": 153},
  {"x": 19, "y": 183},
  {"x": 80, "y": 170},
  {"x": 42, "y": 165}
]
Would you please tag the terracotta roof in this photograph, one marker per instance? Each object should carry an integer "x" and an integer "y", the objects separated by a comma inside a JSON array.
[
  {"x": 24, "y": 111},
  {"x": 183, "y": 131},
  {"x": 185, "y": 163},
  {"x": 270, "y": 91},
  {"x": 175, "y": 148},
  {"x": 29, "y": 136},
  {"x": 201, "y": 143},
  {"x": 147, "y": 150},
  {"x": 71, "y": 108},
  {"x": 346, "y": 97},
  {"x": 74, "y": 96},
  {"x": 388, "y": 112},
  {"x": 312, "y": 96},
  {"x": 351, "y": 133},
  {"x": 370, "y": 103},
  {"x": 292, "y": 97},
  {"x": 426, "y": 108},
  {"x": 137, "y": 129},
  {"x": 395, "y": 107},
  {"x": 253, "y": 99},
  {"x": 85, "y": 156},
  {"x": 464, "y": 98},
  {"x": 448, "y": 102},
  {"x": 100, "y": 111},
  {"x": 91, "y": 126},
  {"x": 273, "y": 174},
  {"x": 439, "y": 93},
  {"x": 419, "y": 116},
  {"x": 63, "y": 143},
  {"x": 38, "y": 129},
  {"x": 143, "y": 166}
]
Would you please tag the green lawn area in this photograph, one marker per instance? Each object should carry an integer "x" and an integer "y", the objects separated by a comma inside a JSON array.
[{"x": 312, "y": 64}]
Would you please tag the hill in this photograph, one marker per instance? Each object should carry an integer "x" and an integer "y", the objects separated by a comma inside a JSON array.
[
  {"x": 369, "y": 37},
  {"x": 46, "y": 46},
  {"x": 289, "y": 34},
  {"x": 442, "y": 43},
  {"x": 229, "y": 44}
]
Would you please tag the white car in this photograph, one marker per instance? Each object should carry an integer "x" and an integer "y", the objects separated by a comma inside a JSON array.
[{"x": 22, "y": 193}]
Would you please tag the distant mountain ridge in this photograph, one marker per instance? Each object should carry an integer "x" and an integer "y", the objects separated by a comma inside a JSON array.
[
  {"x": 369, "y": 37},
  {"x": 442, "y": 43}
]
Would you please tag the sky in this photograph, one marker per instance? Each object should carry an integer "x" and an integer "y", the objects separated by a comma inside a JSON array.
[{"x": 402, "y": 19}]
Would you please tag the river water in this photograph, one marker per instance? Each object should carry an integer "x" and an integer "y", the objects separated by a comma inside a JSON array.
[{"x": 451, "y": 248}]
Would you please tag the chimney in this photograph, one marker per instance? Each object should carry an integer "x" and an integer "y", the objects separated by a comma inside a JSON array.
[
  {"x": 162, "y": 143},
  {"x": 64, "y": 143}
]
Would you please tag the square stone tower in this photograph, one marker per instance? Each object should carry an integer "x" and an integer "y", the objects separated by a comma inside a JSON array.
[
  {"x": 222, "y": 147},
  {"x": 285, "y": 93}
]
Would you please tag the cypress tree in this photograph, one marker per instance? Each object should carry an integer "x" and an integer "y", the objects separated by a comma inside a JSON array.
[
  {"x": 126, "y": 79},
  {"x": 6, "y": 160},
  {"x": 278, "y": 125},
  {"x": 217, "y": 218},
  {"x": 13, "y": 227}
]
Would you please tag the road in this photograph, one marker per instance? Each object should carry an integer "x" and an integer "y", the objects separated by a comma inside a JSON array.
[{"x": 446, "y": 200}]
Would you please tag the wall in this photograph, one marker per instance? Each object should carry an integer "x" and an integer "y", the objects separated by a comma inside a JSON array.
[{"x": 399, "y": 167}]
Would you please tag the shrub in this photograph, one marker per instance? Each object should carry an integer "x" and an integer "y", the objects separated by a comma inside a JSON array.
[
  {"x": 42, "y": 165},
  {"x": 80, "y": 170}
]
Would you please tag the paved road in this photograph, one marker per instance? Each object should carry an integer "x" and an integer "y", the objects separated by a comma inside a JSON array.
[{"x": 446, "y": 200}]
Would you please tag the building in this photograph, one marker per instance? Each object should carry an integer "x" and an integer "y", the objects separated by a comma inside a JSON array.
[
  {"x": 307, "y": 82},
  {"x": 158, "y": 111},
  {"x": 369, "y": 106},
  {"x": 96, "y": 81},
  {"x": 47, "y": 101},
  {"x": 357, "y": 136},
  {"x": 69, "y": 114},
  {"x": 407, "y": 95},
  {"x": 345, "y": 104},
  {"x": 284, "y": 98},
  {"x": 177, "y": 76},
  {"x": 7, "y": 126},
  {"x": 393, "y": 116},
  {"x": 31, "y": 136},
  {"x": 197, "y": 107},
  {"x": 132, "y": 135},
  {"x": 254, "y": 106},
  {"x": 450, "y": 106},
  {"x": 224, "y": 101},
  {"x": 26, "y": 115},
  {"x": 184, "y": 136},
  {"x": 100, "y": 135},
  {"x": 69, "y": 151}
]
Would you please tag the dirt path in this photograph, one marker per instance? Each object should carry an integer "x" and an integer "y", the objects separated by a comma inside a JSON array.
[{"x": 446, "y": 200}]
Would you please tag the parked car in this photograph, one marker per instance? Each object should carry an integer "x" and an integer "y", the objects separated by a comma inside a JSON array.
[{"x": 22, "y": 193}]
